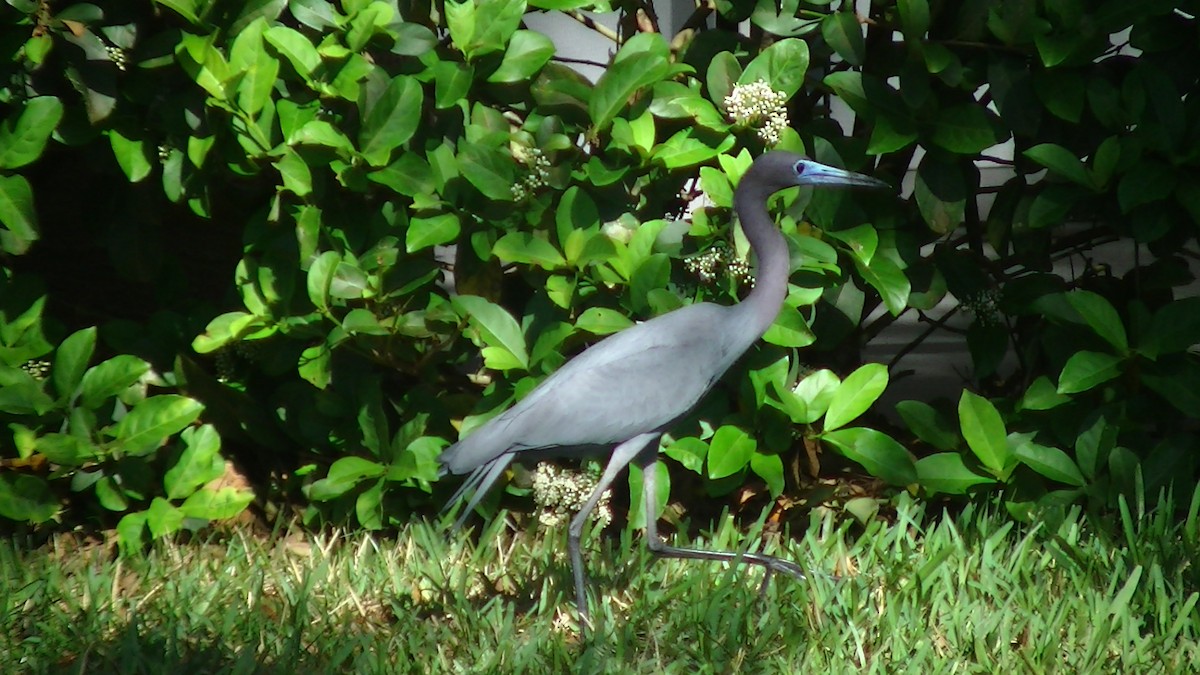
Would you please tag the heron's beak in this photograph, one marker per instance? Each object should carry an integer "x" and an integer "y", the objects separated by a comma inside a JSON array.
[{"x": 820, "y": 174}]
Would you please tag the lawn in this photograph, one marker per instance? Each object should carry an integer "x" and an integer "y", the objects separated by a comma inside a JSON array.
[{"x": 921, "y": 591}]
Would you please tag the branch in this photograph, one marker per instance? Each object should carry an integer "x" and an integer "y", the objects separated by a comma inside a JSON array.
[{"x": 591, "y": 23}]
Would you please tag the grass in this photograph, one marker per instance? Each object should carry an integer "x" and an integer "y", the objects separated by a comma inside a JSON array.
[{"x": 921, "y": 593}]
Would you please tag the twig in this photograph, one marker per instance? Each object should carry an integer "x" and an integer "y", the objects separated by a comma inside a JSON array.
[
  {"x": 582, "y": 62},
  {"x": 591, "y": 23}
]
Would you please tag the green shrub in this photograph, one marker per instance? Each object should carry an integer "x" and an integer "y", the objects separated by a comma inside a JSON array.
[{"x": 415, "y": 213}]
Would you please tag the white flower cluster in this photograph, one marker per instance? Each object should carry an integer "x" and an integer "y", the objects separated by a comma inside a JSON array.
[
  {"x": 707, "y": 266},
  {"x": 562, "y": 492},
  {"x": 618, "y": 230},
  {"x": 38, "y": 369},
  {"x": 539, "y": 171},
  {"x": 985, "y": 306},
  {"x": 118, "y": 56},
  {"x": 758, "y": 105}
]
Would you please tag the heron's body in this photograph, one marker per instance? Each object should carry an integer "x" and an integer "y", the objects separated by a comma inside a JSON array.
[
  {"x": 625, "y": 391},
  {"x": 575, "y": 406}
]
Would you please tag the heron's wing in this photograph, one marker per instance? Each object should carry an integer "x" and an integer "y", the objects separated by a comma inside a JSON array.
[{"x": 636, "y": 381}]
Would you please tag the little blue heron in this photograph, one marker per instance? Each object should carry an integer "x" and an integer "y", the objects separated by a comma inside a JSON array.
[{"x": 624, "y": 392}]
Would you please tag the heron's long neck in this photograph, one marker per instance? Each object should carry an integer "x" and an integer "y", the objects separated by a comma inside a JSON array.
[{"x": 760, "y": 308}]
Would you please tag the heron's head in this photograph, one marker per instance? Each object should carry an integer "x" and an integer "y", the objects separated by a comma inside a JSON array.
[{"x": 778, "y": 170}]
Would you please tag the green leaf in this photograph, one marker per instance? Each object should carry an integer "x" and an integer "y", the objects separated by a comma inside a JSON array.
[
  {"x": 451, "y": 82},
  {"x": 789, "y": 330},
  {"x": 221, "y": 331},
  {"x": 17, "y": 215},
  {"x": 368, "y": 507},
  {"x": 163, "y": 518},
  {"x": 984, "y": 430},
  {"x": 965, "y": 129},
  {"x": 724, "y": 71},
  {"x": 914, "y": 18},
  {"x": 293, "y": 46},
  {"x": 842, "y": 32},
  {"x": 409, "y": 175},
  {"x": 199, "y": 463},
  {"x": 524, "y": 247},
  {"x": 23, "y": 140},
  {"x": 323, "y": 134},
  {"x": 109, "y": 378},
  {"x": 885, "y": 276},
  {"x": 877, "y": 452},
  {"x": 296, "y": 175},
  {"x": 662, "y": 489},
  {"x": 1052, "y": 205},
  {"x": 1085, "y": 370},
  {"x": 849, "y": 86},
  {"x": 220, "y": 504},
  {"x": 941, "y": 193},
  {"x": 65, "y": 449},
  {"x": 315, "y": 365},
  {"x": 370, "y": 20},
  {"x": 1050, "y": 462},
  {"x": 782, "y": 65},
  {"x": 862, "y": 241},
  {"x": 715, "y": 185},
  {"x": 689, "y": 451},
  {"x": 928, "y": 424},
  {"x": 645, "y": 62},
  {"x": 152, "y": 421},
  {"x": 320, "y": 276},
  {"x": 1101, "y": 316},
  {"x": 344, "y": 474},
  {"x": 856, "y": 394},
  {"x": 259, "y": 70},
  {"x": 1175, "y": 327},
  {"x": 426, "y": 231},
  {"x": 890, "y": 134},
  {"x": 26, "y": 499},
  {"x": 24, "y": 397},
  {"x": 816, "y": 392},
  {"x": 188, "y": 9},
  {"x": 489, "y": 169},
  {"x": 132, "y": 155},
  {"x": 1147, "y": 182},
  {"x": 479, "y": 27},
  {"x": 780, "y": 18},
  {"x": 496, "y": 326},
  {"x": 1041, "y": 395},
  {"x": 946, "y": 472},
  {"x": 1061, "y": 161},
  {"x": 110, "y": 495},
  {"x": 349, "y": 282},
  {"x": 1178, "y": 383},
  {"x": 130, "y": 529},
  {"x": 602, "y": 321},
  {"x": 576, "y": 211},
  {"x": 390, "y": 120},
  {"x": 729, "y": 451},
  {"x": 526, "y": 54},
  {"x": 70, "y": 361},
  {"x": 689, "y": 147},
  {"x": 770, "y": 469}
]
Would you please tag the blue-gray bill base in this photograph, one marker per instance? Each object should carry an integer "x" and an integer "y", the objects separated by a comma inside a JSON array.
[{"x": 621, "y": 394}]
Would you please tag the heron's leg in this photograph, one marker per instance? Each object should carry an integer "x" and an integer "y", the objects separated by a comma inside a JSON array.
[
  {"x": 621, "y": 456},
  {"x": 648, "y": 463}
]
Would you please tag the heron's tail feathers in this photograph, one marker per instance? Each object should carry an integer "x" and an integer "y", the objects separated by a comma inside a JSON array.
[{"x": 477, "y": 484}]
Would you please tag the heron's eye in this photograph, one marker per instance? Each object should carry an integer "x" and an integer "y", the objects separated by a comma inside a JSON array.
[{"x": 800, "y": 167}]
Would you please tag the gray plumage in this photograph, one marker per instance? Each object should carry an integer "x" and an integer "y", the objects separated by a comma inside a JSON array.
[{"x": 625, "y": 391}]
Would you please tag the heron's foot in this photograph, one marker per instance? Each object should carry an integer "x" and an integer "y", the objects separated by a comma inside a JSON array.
[{"x": 773, "y": 564}]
